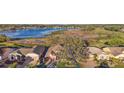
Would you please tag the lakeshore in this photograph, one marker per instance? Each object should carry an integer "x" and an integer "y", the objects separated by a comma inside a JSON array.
[{"x": 86, "y": 46}]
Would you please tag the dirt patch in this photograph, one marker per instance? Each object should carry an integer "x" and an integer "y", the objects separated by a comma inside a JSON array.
[{"x": 88, "y": 64}]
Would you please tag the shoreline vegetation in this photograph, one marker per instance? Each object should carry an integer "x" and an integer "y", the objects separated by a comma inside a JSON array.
[
  {"x": 74, "y": 43},
  {"x": 96, "y": 35}
]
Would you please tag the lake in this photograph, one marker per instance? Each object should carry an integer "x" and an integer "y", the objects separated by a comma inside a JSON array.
[{"x": 30, "y": 33}]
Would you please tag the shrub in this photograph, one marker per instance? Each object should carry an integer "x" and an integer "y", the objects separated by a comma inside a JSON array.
[
  {"x": 113, "y": 28},
  {"x": 88, "y": 28},
  {"x": 13, "y": 65},
  {"x": 73, "y": 51},
  {"x": 65, "y": 63},
  {"x": 116, "y": 41},
  {"x": 3, "y": 38}
]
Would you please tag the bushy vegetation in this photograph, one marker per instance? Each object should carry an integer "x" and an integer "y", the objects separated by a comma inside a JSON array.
[
  {"x": 115, "y": 42},
  {"x": 113, "y": 27},
  {"x": 88, "y": 28},
  {"x": 13, "y": 65},
  {"x": 62, "y": 63},
  {"x": 3, "y": 38},
  {"x": 73, "y": 52}
]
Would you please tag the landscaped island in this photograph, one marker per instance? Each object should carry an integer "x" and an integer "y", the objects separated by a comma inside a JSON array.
[{"x": 62, "y": 46}]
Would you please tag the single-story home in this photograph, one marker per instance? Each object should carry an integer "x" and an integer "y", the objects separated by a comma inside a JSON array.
[
  {"x": 111, "y": 52},
  {"x": 32, "y": 59},
  {"x": 120, "y": 56},
  {"x": 4, "y": 53},
  {"x": 103, "y": 56},
  {"x": 19, "y": 54},
  {"x": 37, "y": 55},
  {"x": 114, "y": 50},
  {"x": 29, "y": 56},
  {"x": 92, "y": 51},
  {"x": 51, "y": 55}
]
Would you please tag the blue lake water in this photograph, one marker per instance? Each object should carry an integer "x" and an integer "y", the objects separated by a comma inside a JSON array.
[{"x": 30, "y": 33}]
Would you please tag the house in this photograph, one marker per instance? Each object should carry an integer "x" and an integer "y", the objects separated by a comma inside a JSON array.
[
  {"x": 32, "y": 59},
  {"x": 111, "y": 52},
  {"x": 40, "y": 50},
  {"x": 1, "y": 53},
  {"x": 92, "y": 51},
  {"x": 51, "y": 55},
  {"x": 114, "y": 50},
  {"x": 108, "y": 53},
  {"x": 19, "y": 54},
  {"x": 29, "y": 56},
  {"x": 36, "y": 56},
  {"x": 120, "y": 56},
  {"x": 15, "y": 56},
  {"x": 0, "y": 58},
  {"x": 4, "y": 53},
  {"x": 25, "y": 51},
  {"x": 107, "y": 50},
  {"x": 102, "y": 57}
]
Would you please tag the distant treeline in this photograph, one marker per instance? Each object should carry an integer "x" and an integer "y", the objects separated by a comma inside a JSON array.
[{"x": 112, "y": 27}]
